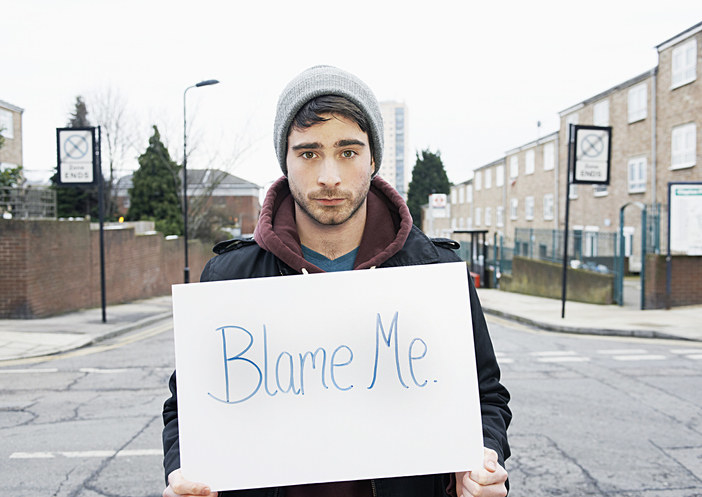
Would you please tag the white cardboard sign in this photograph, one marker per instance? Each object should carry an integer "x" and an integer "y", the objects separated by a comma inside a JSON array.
[{"x": 327, "y": 377}]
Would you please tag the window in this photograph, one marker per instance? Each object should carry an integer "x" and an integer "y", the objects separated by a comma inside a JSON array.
[
  {"x": 637, "y": 175},
  {"x": 461, "y": 195},
  {"x": 454, "y": 196},
  {"x": 478, "y": 214},
  {"x": 529, "y": 162},
  {"x": 684, "y": 146},
  {"x": 572, "y": 119},
  {"x": 513, "y": 206},
  {"x": 7, "y": 128},
  {"x": 684, "y": 63},
  {"x": 488, "y": 216},
  {"x": 500, "y": 214},
  {"x": 454, "y": 223},
  {"x": 529, "y": 208},
  {"x": 637, "y": 103},
  {"x": 488, "y": 178},
  {"x": 600, "y": 113},
  {"x": 499, "y": 175},
  {"x": 469, "y": 194},
  {"x": 477, "y": 181},
  {"x": 514, "y": 167},
  {"x": 549, "y": 156},
  {"x": 548, "y": 206}
]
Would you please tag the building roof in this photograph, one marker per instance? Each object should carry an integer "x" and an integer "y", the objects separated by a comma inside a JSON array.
[
  {"x": 680, "y": 37},
  {"x": 9, "y": 106},
  {"x": 219, "y": 183}
]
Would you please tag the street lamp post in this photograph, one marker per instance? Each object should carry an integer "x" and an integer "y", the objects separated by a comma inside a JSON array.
[{"x": 208, "y": 82}]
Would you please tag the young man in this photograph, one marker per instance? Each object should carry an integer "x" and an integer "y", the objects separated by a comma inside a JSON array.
[{"x": 330, "y": 212}]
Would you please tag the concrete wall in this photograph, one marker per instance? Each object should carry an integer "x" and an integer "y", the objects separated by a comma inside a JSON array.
[
  {"x": 51, "y": 267},
  {"x": 544, "y": 279},
  {"x": 686, "y": 287}
]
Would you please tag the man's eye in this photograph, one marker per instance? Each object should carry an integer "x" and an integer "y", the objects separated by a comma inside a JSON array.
[
  {"x": 308, "y": 155},
  {"x": 347, "y": 154}
]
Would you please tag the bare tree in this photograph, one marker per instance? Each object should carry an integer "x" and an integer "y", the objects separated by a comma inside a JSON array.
[{"x": 110, "y": 112}]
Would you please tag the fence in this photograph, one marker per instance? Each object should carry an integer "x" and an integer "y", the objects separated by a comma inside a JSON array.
[{"x": 27, "y": 203}]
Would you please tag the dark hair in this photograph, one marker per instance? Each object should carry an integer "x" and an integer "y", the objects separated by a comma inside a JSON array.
[{"x": 311, "y": 113}]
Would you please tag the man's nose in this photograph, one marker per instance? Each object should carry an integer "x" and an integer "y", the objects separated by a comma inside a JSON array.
[{"x": 329, "y": 174}]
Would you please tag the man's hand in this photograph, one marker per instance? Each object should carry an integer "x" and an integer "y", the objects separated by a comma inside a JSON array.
[
  {"x": 180, "y": 487},
  {"x": 489, "y": 481}
]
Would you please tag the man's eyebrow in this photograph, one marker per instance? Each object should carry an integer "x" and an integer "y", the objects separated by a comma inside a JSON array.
[
  {"x": 307, "y": 146},
  {"x": 349, "y": 142}
]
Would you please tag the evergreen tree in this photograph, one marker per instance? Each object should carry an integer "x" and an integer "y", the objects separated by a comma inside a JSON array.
[
  {"x": 155, "y": 187},
  {"x": 428, "y": 176},
  {"x": 78, "y": 200},
  {"x": 11, "y": 176}
]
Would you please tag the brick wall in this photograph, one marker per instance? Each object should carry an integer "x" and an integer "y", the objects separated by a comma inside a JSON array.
[
  {"x": 686, "y": 282},
  {"x": 52, "y": 267}
]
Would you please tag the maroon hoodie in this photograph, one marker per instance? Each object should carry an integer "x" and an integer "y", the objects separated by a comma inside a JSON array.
[{"x": 388, "y": 224}]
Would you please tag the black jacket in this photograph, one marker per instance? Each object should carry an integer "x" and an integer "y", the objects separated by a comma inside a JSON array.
[{"x": 240, "y": 259}]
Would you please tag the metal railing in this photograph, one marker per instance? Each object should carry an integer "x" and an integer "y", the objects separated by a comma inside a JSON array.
[{"x": 27, "y": 203}]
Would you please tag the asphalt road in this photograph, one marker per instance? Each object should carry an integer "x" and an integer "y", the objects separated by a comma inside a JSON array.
[{"x": 592, "y": 416}]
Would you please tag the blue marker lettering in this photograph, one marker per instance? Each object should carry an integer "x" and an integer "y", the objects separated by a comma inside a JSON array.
[
  {"x": 334, "y": 364},
  {"x": 314, "y": 366},
  {"x": 413, "y": 357},
  {"x": 386, "y": 338},
  {"x": 237, "y": 357}
]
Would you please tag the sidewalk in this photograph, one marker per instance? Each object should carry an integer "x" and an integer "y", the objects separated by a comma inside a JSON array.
[{"x": 25, "y": 338}]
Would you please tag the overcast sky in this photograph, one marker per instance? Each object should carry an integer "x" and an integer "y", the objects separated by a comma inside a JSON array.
[{"x": 476, "y": 78}]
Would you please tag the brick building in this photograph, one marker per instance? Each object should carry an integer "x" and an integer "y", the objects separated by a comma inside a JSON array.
[
  {"x": 217, "y": 189},
  {"x": 655, "y": 118}
]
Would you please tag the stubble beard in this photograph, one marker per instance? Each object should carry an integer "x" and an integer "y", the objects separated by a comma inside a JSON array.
[{"x": 329, "y": 215}]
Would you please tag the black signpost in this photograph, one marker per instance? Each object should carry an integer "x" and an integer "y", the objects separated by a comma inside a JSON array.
[
  {"x": 589, "y": 162},
  {"x": 80, "y": 164}
]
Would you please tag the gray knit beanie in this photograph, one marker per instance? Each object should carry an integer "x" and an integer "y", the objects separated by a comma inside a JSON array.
[{"x": 326, "y": 80}]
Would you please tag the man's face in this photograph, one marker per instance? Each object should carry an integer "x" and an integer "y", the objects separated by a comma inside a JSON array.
[{"x": 329, "y": 169}]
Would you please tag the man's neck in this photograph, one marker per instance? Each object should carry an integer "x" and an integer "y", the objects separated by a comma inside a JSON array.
[{"x": 331, "y": 241}]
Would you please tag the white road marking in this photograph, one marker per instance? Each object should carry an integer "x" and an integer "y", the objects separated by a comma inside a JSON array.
[
  {"x": 694, "y": 356},
  {"x": 621, "y": 351},
  {"x": 31, "y": 455},
  {"x": 551, "y": 353},
  {"x": 686, "y": 351},
  {"x": 563, "y": 359},
  {"x": 505, "y": 360},
  {"x": 647, "y": 357},
  {"x": 26, "y": 371},
  {"x": 87, "y": 454},
  {"x": 103, "y": 371}
]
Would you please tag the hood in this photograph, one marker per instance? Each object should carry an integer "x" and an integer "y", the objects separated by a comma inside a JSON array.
[{"x": 388, "y": 224}]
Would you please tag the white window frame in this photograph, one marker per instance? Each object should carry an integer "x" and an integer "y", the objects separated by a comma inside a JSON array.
[
  {"x": 461, "y": 195},
  {"x": 499, "y": 176},
  {"x": 573, "y": 191},
  {"x": 488, "y": 216},
  {"x": 529, "y": 208},
  {"x": 488, "y": 178},
  {"x": 478, "y": 181},
  {"x": 454, "y": 196},
  {"x": 513, "y": 167},
  {"x": 548, "y": 207},
  {"x": 637, "y": 102},
  {"x": 549, "y": 156},
  {"x": 478, "y": 215},
  {"x": 469, "y": 194},
  {"x": 7, "y": 124},
  {"x": 529, "y": 161},
  {"x": 500, "y": 216},
  {"x": 683, "y": 146},
  {"x": 684, "y": 64},
  {"x": 514, "y": 209},
  {"x": 600, "y": 113},
  {"x": 636, "y": 174}
]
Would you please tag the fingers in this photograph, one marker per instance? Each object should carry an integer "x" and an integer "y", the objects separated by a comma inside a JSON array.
[
  {"x": 486, "y": 481},
  {"x": 179, "y": 486}
]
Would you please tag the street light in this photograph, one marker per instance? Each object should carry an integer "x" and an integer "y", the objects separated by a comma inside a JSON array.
[{"x": 208, "y": 82}]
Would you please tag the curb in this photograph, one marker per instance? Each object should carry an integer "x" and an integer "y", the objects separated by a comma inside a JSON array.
[{"x": 638, "y": 333}]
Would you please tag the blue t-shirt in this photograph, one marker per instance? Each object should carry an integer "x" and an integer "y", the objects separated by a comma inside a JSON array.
[{"x": 343, "y": 263}]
